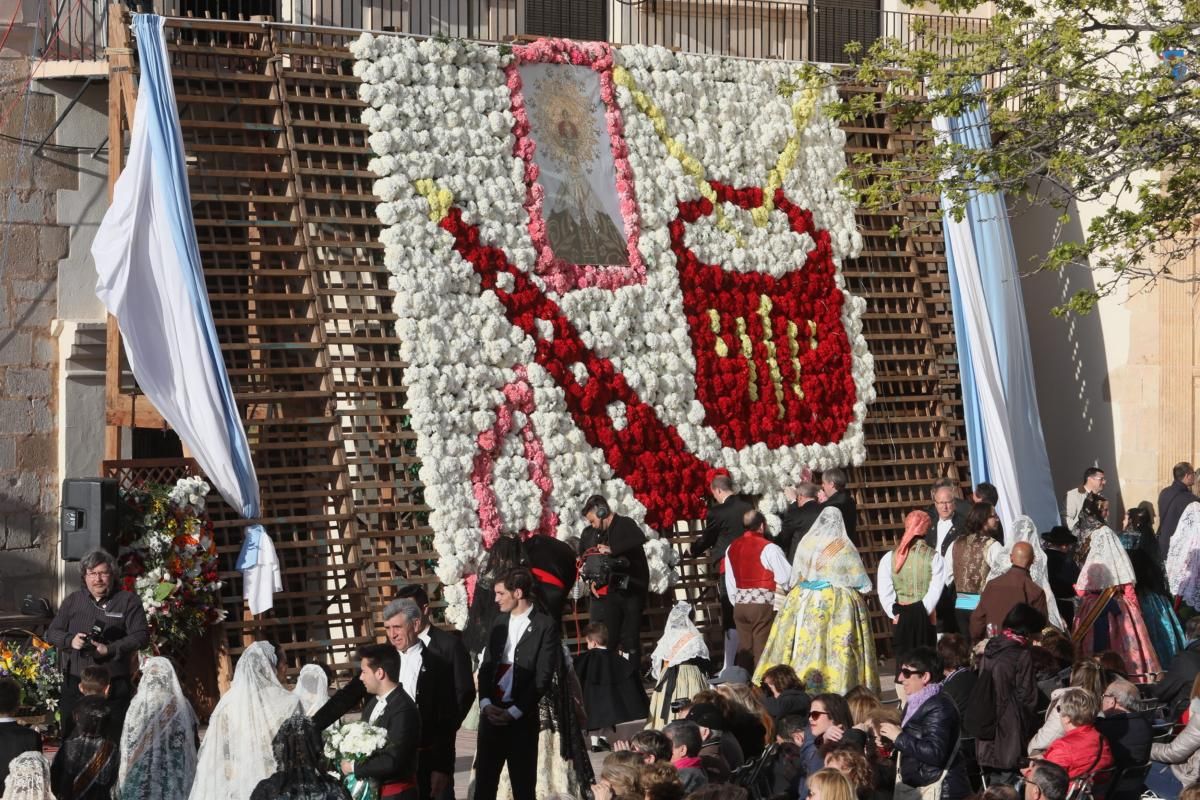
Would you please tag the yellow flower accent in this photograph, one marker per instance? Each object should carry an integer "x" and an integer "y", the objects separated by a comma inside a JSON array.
[
  {"x": 802, "y": 111},
  {"x": 439, "y": 199},
  {"x": 793, "y": 334},
  {"x": 714, "y": 322},
  {"x": 812, "y": 334},
  {"x": 764, "y": 315},
  {"x": 748, "y": 354}
]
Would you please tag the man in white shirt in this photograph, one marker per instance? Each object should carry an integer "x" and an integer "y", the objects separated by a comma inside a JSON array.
[
  {"x": 393, "y": 767},
  {"x": 1093, "y": 483},
  {"x": 755, "y": 570},
  {"x": 949, "y": 515},
  {"x": 518, "y": 664}
]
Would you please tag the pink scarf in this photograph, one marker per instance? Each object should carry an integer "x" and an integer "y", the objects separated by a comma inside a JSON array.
[{"x": 916, "y": 525}]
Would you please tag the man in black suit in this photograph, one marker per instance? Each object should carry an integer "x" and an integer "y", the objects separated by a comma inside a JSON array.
[
  {"x": 833, "y": 487},
  {"x": 949, "y": 515},
  {"x": 802, "y": 511},
  {"x": 14, "y": 738},
  {"x": 427, "y": 679},
  {"x": 619, "y": 603},
  {"x": 448, "y": 647},
  {"x": 722, "y": 526},
  {"x": 522, "y": 653},
  {"x": 390, "y": 708},
  {"x": 553, "y": 564}
]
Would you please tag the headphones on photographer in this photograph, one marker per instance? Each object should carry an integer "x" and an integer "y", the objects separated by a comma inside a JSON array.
[{"x": 597, "y": 505}]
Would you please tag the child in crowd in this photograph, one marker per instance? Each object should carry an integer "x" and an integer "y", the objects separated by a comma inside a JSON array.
[
  {"x": 612, "y": 690},
  {"x": 94, "y": 681}
]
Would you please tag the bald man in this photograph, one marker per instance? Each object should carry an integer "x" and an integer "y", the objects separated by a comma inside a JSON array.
[{"x": 1002, "y": 593}]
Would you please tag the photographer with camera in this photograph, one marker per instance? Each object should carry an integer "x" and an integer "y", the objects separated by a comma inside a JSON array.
[
  {"x": 614, "y": 567},
  {"x": 98, "y": 625}
]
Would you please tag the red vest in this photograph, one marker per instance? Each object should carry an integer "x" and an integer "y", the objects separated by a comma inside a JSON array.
[{"x": 745, "y": 556}]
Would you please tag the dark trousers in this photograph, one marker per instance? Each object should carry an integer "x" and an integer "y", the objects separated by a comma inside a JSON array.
[
  {"x": 727, "y": 621},
  {"x": 119, "y": 695},
  {"x": 514, "y": 744},
  {"x": 963, "y": 618},
  {"x": 947, "y": 620},
  {"x": 621, "y": 612}
]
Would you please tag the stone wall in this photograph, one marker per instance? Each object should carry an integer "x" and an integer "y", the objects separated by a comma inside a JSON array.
[{"x": 31, "y": 243}]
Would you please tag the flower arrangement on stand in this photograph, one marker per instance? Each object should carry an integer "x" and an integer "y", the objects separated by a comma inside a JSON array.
[
  {"x": 355, "y": 741},
  {"x": 169, "y": 560},
  {"x": 34, "y": 667}
]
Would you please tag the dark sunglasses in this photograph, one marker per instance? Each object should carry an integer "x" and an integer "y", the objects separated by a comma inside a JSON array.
[
  {"x": 816, "y": 715},
  {"x": 908, "y": 673}
]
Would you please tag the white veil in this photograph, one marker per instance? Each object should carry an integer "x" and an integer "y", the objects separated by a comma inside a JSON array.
[
  {"x": 1107, "y": 563},
  {"x": 28, "y": 778},
  {"x": 1024, "y": 530},
  {"x": 827, "y": 554},
  {"x": 1183, "y": 559},
  {"x": 236, "y": 753},
  {"x": 158, "y": 741},
  {"x": 312, "y": 688},
  {"x": 681, "y": 640}
]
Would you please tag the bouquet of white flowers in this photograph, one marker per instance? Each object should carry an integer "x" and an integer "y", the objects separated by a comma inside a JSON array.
[{"x": 355, "y": 741}]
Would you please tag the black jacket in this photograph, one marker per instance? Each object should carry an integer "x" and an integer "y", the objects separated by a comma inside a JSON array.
[
  {"x": 1061, "y": 572},
  {"x": 625, "y": 539},
  {"x": 722, "y": 525},
  {"x": 435, "y": 693},
  {"x": 1015, "y": 688},
  {"x": 397, "y": 761},
  {"x": 1171, "y": 503},
  {"x": 556, "y": 558},
  {"x": 958, "y": 524},
  {"x": 450, "y": 649},
  {"x": 791, "y": 702},
  {"x": 1129, "y": 736},
  {"x": 843, "y": 502},
  {"x": 534, "y": 661},
  {"x": 14, "y": 740},
  {"x": 797, "y": 519},
  {"x": 1176, "y": 686},
  {"x": 925, "y": 745},
  {"x": 958, "y": 688},
  {"x": 121, "y": 618}
]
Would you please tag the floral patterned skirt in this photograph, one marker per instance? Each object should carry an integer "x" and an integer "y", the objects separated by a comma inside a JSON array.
[
  {"x": 1118, "y": 627},
  {"x": 825, "y": 635}
]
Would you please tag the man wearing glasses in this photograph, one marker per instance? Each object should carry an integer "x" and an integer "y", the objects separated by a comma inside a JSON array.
[
  {"x": 98, "y": 625},
  {"x": 1045, "y": 781}
]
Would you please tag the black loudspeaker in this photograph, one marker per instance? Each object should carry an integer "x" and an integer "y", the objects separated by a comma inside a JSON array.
[{"x": 89, "y": 517}]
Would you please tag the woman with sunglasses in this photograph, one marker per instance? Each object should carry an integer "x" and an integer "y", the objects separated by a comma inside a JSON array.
[{"x": 927, "y": 738}]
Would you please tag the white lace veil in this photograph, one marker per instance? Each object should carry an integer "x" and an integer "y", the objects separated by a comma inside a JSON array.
[
  {"x": 827, "y": 554},
  {"x": 237, "y": 750},
  {"x": 1107, "y": 563},
  {"x": 1024, "y": 530},
  {"x": 681, "y": 640},
  {"x": 1183, "y": 559},
  {"x": 158, "y": 741},
  {"x": 312, "y": 688},
  {"x": 28, "y": 778}
]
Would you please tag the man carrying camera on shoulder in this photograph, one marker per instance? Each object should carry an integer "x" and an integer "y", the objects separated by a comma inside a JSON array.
[
  {"x": 99, "y": 624},
  {"x": 614, "y": 567}
]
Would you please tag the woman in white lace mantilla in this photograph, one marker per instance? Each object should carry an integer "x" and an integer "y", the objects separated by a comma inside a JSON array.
[
  {"x": 312, "y": 688},
  {"x": 28, "y": 778},
  {"x": 1183, "y": 558},
  {"x": 1024, "y": 530},
  {"x": 679, "y": 664},
  {"x": 237, "y": 750},
  {"x": 158, "y": 740}
]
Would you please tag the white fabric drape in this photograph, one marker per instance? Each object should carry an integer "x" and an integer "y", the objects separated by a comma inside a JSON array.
[{"x": 237, "y": 749}]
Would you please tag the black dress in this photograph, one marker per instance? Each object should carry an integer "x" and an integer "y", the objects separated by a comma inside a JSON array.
[
  {"x": 302, "y": 768},
  {"x": 85, "y": 769},
  {"x": 612, "y": 689}
]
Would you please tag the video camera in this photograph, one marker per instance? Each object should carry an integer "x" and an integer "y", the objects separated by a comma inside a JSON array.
[
  {"x": 96, "y": 634},
  {"x": 604, "y": 569}
]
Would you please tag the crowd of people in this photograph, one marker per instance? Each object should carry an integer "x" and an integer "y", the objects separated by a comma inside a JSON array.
[{"x": 1039, "y": 665}]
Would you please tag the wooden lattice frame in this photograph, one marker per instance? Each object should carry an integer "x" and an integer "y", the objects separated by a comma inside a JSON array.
[{"x": 285, "y": 217}]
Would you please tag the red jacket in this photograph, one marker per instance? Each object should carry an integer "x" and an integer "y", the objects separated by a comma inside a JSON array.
[{"x": 1077, "y": 751}]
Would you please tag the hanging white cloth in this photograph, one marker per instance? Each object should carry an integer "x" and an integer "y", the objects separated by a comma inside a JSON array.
[
  {"x": 1183, "y": 557},
  {"x": 259, "y": 566},
  {"x": 1024, "y": 530},
  {"x": 158, "y": 741},
  {"x": 150, "y": 278},
  {"x": 312, "y": 688},
  {"x": 1107, "y": 563},
  {"x": 237, "y": 749}
]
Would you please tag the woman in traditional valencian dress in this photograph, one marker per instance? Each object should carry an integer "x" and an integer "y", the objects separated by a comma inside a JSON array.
[
  {"x": 678, "y": 664},
  {"x": 1109, "y": 616},
  {"x": 910, "y": 579},
  {"x": 158, "y": 742},
  {"x": 824, "y": 631},
  {"x": 1141, "y": 545},
  {"x": 1024, "y": 530},
  {"x": 1183, "y": 559}
]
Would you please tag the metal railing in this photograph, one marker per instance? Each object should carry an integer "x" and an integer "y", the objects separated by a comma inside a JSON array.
[{"x": 796, "y": 30}]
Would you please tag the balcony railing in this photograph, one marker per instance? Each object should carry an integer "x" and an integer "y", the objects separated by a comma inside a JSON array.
[{"x": 775, "y": 29}]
